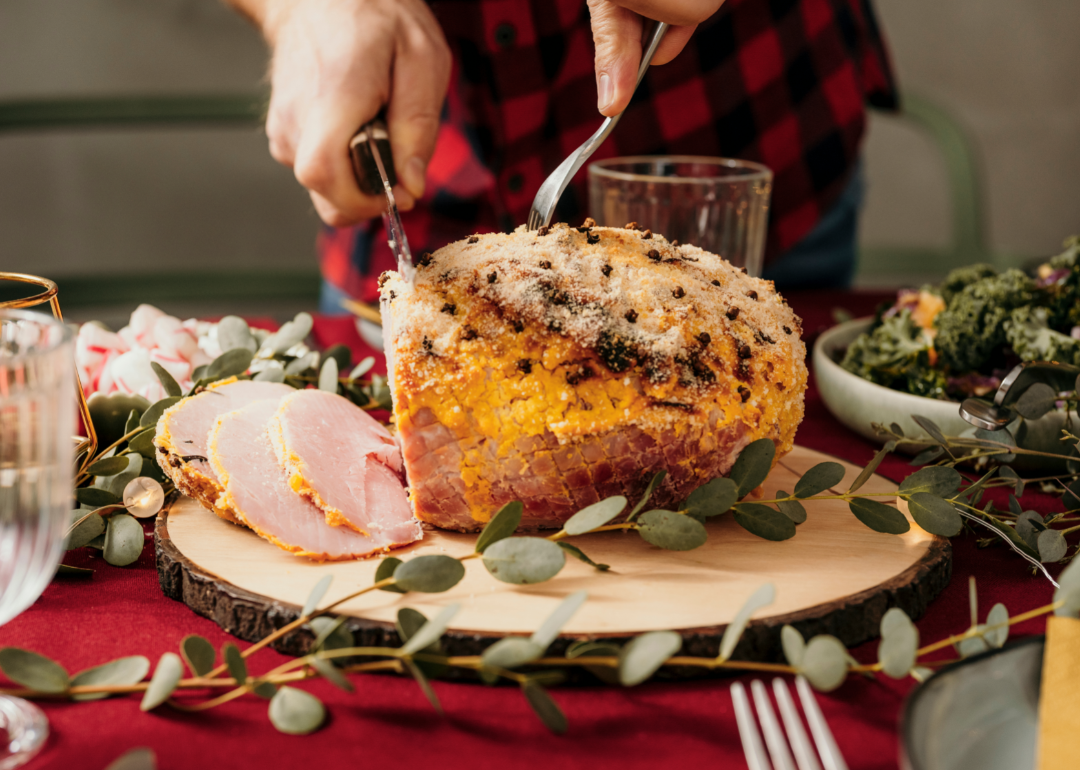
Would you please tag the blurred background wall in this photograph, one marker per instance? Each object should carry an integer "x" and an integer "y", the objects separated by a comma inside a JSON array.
[{"x": 79, "y": 202}]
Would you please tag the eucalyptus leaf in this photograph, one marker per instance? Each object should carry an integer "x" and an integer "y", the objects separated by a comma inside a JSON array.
[
  {"x": 927, "y": 455},
  {"x": 264, "y": 689},
  {"x": 654, "y": 482},
  {"x": 711, "y": 499},
  {"x": 595, "y": 515},
  {"x": 794, "y": 645},
  {"x": 229, "y": 364},
  {"x": 921, "y": 673},
  {"x": 143, "y": 443},
  {"x": 1068, "y": 590},
  {"x": 1071, "y": 498},
  {"x": 300, "y": 365},
  {"x": 296, "y": 712},
  {"x": 291, "y": 333},
  {"x": 998, "y": 439},
  {"x": 116, "y": 485},
  {"x": 503, "y": 524},
  {"x": 431, "y": 631},
  {"x": 233, "y": 333},
  {"x": 820, "y": 478},
  {"x": 328, "y": 375},
  {"x": 123, "y": 671},
  {"x": 972, "y": 489},
  {"x": 1029, "y": 524},
  {"x": 825, "y": 663},
  {"x": 408, "y": 622},
  {"x": 141, "y": 758},
  {"x": 868, "y": 471},
  {"x": 1038, "y": 400},
  {"x": 553, "y": 624},
  {"x": 270, "y": 374},
  {"x": 33, "y": 671},
  {"x": 576, "y": 552},
  {"x": 938, "y": 480},
  {"x": 763, "y": 521},
  {"x": 793, "y": 509},
  {"x": 151, "y": 416},
  {"x": 110, "y": 466},
  {"x": 879, "y": 516},
  {"x": 198, "y": 653},
  {"x": 90, "y": 528},
  {"x": 935, "y": 515},
  {"x": 168, "y": 382},
  {"x": 124, "y": 540},
  {"x": 645, "y": 654},
  {"x": 511, "y": 652},
  {"x": 430, "y": 574},
  {"x": 235, "y": 662},
  {"x": 164, "y": 681},
  {"x": 318, "y": 591},
  {"x": 899, "y": 646},
  {"x": 752, "y": 466},
  {"x": 387, "y": 567},
  {"x": 930, "y": 427},
  {"x": 544, "y": 707},
  {"x": 67, "y": 569},
  {"x": 895, "y": 428},
  {"x": 588, "y": 648},
  {"x": 999, "y": 616},
  {"x": 96, "y": 498},
  {"x": 1051, "y": 546},
  {"x": 362, "y": 368},
  {"x": 524, "y": 560},
  {"x": 331, "y": 634},
  {"x": 973, "y": 645},
  {"x": 132, "y": 421},
  {"x": 425, "y": 685},
  {"x": 332, "y": 674},
  {"x": 1014, "y": 506},
  {"x": 671, "y": 531},
  {"x": 762, "y": 597}
]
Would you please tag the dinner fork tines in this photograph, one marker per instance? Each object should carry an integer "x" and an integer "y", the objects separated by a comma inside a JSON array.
[{"x": 805, "y": 755}]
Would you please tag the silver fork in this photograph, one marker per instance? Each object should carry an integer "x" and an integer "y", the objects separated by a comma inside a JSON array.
[
  {"x": 806, "y": 758},
  {"x": 543, "y": 207}
]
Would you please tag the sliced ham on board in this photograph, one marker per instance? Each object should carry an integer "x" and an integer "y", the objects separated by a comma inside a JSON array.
[
  {"x": 344, "y": 462},
  {"x": 183, "y": 429},
  {"x": 257, "y": 491}
]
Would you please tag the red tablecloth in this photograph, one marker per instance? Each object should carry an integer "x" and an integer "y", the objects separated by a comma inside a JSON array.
[{"x": 387, "y": 722}]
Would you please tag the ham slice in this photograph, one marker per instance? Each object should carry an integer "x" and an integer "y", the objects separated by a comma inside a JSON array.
[
  {"x": 182, "y": 434},
  {"x": 345, "y": 463},
  {"x": 257, "y": 491}
]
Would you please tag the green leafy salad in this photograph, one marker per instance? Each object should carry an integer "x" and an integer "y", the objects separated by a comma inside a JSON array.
[{"x": 960, "y": 338}]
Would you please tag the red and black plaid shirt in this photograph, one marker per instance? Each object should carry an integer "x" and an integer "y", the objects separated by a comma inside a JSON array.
[{"x": 783, "y": 82}]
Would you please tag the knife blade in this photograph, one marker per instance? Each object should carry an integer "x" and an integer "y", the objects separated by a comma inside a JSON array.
[{"x": 373, "y": 166}]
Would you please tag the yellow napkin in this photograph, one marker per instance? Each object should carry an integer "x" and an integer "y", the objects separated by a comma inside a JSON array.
[{"x": 1059, "y": 700}]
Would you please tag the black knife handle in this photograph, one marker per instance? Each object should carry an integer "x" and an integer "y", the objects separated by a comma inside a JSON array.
[{"x": 364, "y": 168}]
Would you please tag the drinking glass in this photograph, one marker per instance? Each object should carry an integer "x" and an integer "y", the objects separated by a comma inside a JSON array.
[
  {"x": 37, "y": 420},
  {"x": 718, "y": 204}
]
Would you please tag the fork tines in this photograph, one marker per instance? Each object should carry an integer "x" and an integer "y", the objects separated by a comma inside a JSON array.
[{"x": 805, "y": 755}]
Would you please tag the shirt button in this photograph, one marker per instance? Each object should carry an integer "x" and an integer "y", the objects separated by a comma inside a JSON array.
[
  {"x": 505, "y": 35},
  {"x": 515, "y": 183}
]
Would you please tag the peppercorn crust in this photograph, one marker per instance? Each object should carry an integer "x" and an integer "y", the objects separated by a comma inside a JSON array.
[{"x": 561, "y": 366}]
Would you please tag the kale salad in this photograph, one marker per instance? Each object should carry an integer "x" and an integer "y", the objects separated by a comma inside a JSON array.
[{"x": 959, "y": 338}]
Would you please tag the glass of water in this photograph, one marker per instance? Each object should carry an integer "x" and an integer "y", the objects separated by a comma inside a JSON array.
[
  {"x": 718, "y": 204},
  {"x": 37, "y": 422}
]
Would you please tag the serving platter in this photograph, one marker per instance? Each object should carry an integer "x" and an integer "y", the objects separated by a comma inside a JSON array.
[{"x": 835, "y": 576}]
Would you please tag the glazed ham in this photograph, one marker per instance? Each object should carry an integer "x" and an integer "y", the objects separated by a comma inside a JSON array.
[
  {"x": 562, "y": 366},
  {"x": 182, "y": 434},
  {"x": 256, "y": 490},
  {"x": 343, "y": 461}
]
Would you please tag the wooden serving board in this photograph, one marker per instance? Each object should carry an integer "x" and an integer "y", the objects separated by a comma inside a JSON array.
[{"x": 835, "y": 576}]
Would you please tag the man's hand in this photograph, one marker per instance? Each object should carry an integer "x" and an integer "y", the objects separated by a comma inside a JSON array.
[
  {"x": 335, "y": 64},
  {"x": 617, "y": 27}
]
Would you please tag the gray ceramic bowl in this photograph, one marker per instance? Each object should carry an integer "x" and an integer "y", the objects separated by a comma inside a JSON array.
[
  {"x": 857, "y": 403},
  {"x": 980, "y": 714}
]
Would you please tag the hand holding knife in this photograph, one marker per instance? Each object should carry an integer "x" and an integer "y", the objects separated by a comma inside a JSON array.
[{"x": 373, "y": 165}]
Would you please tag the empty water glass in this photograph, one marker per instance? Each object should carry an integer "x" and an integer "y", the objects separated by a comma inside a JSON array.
[
  {"x": 718, "y": 204},
  {"x": 37, "y": 420}
]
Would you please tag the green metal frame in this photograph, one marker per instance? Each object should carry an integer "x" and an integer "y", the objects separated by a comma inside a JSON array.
[
  {"x": 968, "y": 244},
  {"x": 240, "y": 110}
]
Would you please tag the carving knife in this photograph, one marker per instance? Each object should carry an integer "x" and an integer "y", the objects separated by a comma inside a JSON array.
[{"x": 373, "y": 165}]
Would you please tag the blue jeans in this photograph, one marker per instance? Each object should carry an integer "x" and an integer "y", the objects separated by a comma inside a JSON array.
[{"x": 825, "y": 258}]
